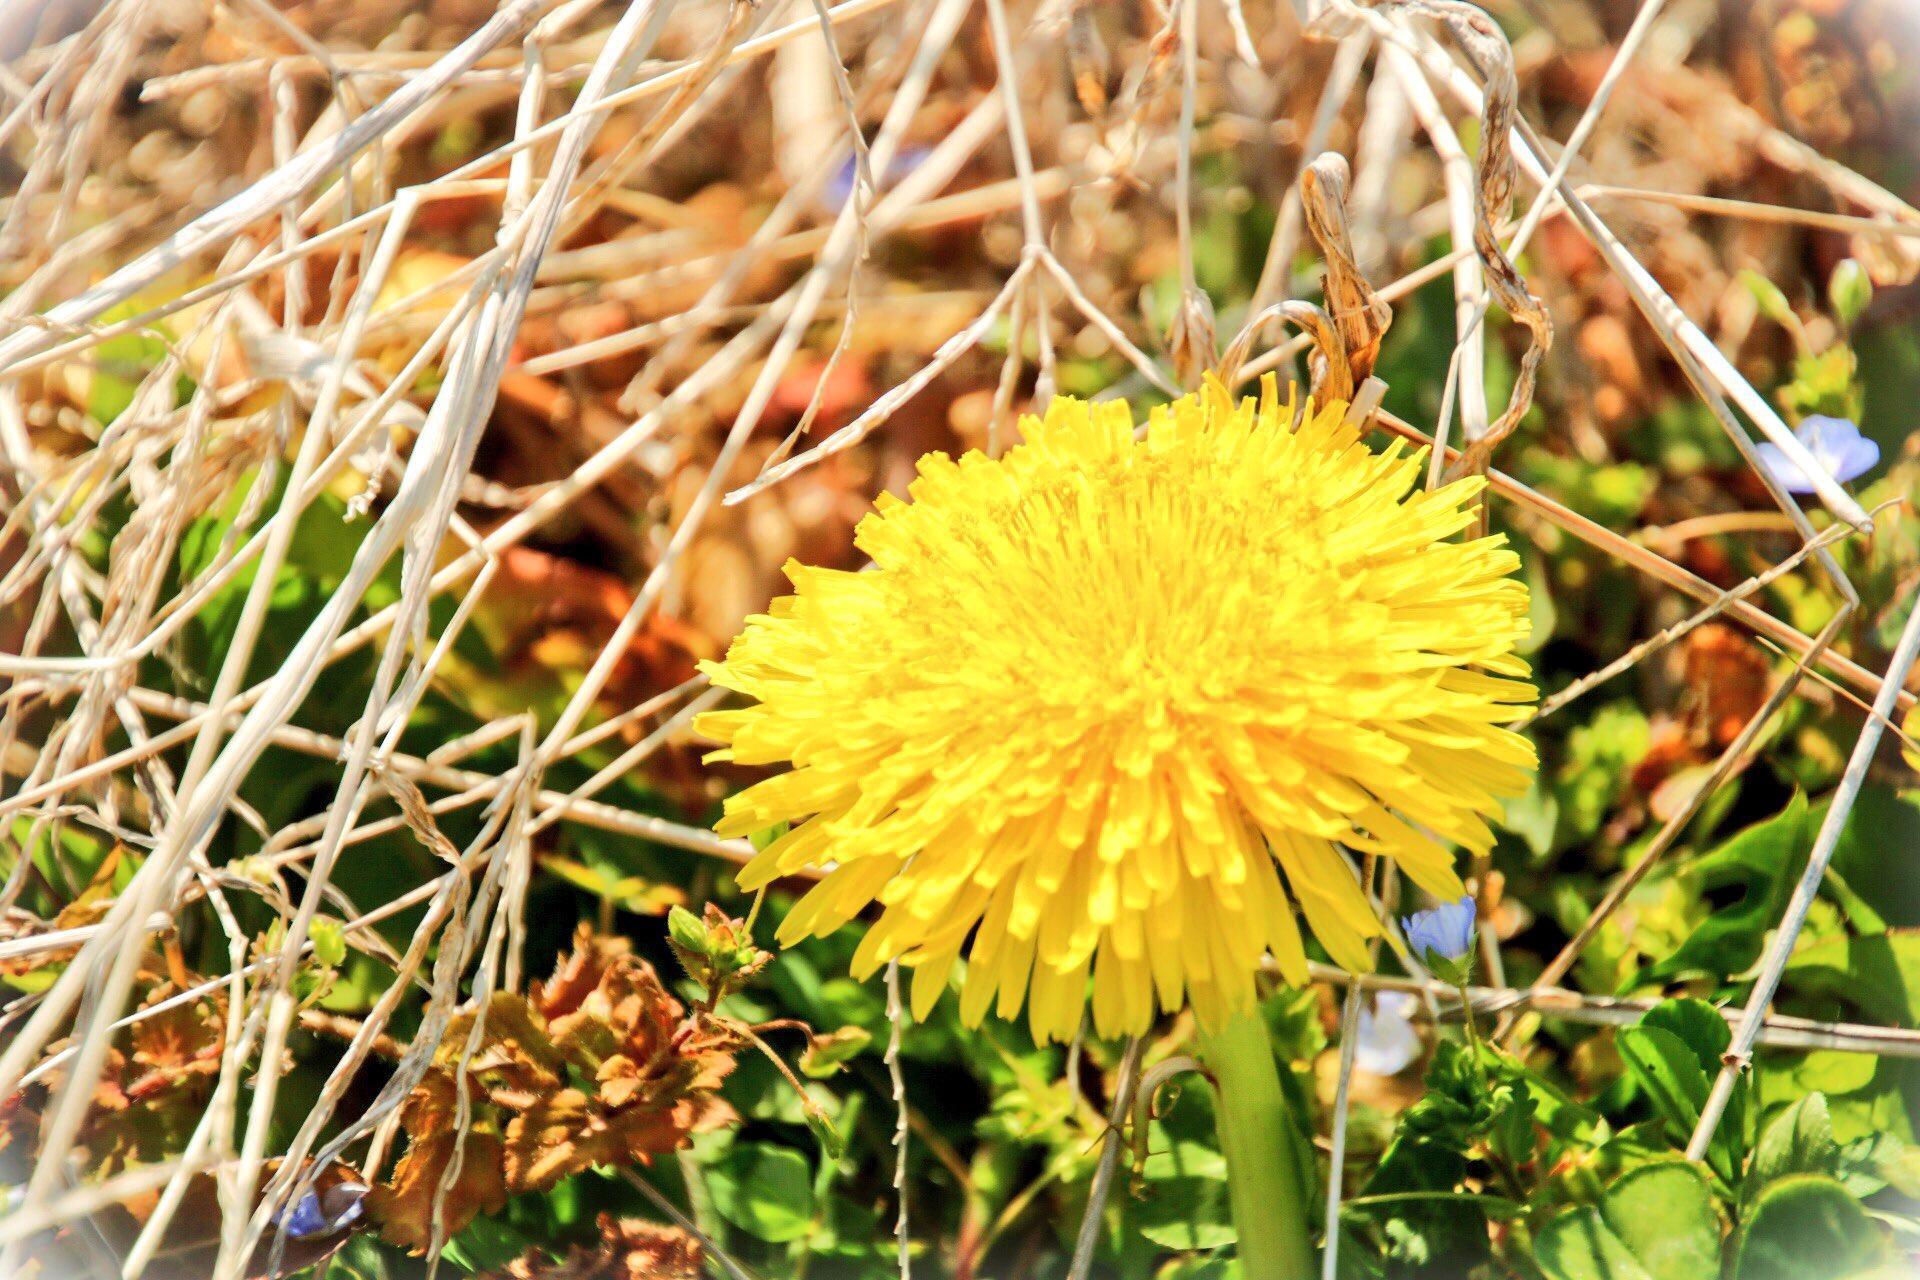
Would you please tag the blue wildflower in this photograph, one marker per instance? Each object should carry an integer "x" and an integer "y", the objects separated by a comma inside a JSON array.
[
  {"x": 1835, "y": 443},
  {"x": 1385, "y": 1042},
  {"x": 839, "y": 188},
  {"x": 1442, "y": 938},
  {"x": 324, "y": 1212}
]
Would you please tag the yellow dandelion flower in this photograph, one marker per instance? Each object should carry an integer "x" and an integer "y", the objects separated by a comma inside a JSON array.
[{"x": 1109, "y": 706}]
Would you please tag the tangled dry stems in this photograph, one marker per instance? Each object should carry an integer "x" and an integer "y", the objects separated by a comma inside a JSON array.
[{"x": 321, "y": 228}]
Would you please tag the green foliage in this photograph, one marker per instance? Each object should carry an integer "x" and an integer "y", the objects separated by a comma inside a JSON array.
[
  {"x": 1417, "y": 1208},
  {"x": 1183, "y": 1204},
  {"x": 825, "y": 1055},
  {"x": 1772, "y": 302},
  {"x": 716, "y": 951},
  {"x": 122, "y": 363},
  {"x": 1806, "y": 1227},
  {"x": 1798, "y": 1140},
  {"x": 766, "y": 1191},
  {"x": 1656, "y": 1222},
  {"x": 1823, "y": 383},
  {"x": 1849, "y": 291},
  {"x": 1878, "y": 974},
  {"x": 1495, "y": 1164},
  {"x": 1674, "y": 1054},
  {"x": 1593, "y": 771},
  {"x": 1760, "y": 863}
]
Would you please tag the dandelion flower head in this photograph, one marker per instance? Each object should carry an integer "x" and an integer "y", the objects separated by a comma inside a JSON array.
[{"x": 1107, "y": 707}]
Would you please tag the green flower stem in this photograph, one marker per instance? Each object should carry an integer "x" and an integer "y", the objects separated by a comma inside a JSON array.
[
  {"x": 1265, "y": 1184},
  {"x": 1473, "y": 1032}
]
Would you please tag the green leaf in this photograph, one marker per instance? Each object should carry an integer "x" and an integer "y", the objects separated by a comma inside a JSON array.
[
  {"x": 852, "y": 1231},
  {"x": 1578, "y": 1245},
  {"x": 1492, "y": 1206},
  {"x": 361, "y": 1258},
  {"x": 638, "y": 894},
  {"x": 1832, "y": 1071},
  {"x": 488, "y": 1241},
  {"x": 1760, "y": 862},
  {"x": 1850, "y": 291},
  {"x": 1696, "y": 1024},
  {"x": 765, "y": 1191},
  {"x": 1773, "y": 303},
  {"x": 825, "y": 1055},
  {"x": 1210, "y": 1268},
  {"x": 1186, "y": 1213},
  {"x": 1880, "y": 1108},
  {"x": 1822, "y": 383},
  {"x": 1491, "y": 1103},
  {"x": 120, "y": 365},
  {"x": 1806, "y": 1227},
  {"x": 1878, "y": 974},
  {"x": 1595, "y": 767},
  {"x": 1884, "y": 825},
  {"x": 1542, "y": 618},
  {"x": 1656, "y": 1222},
  {"x": 1672, "y": 1054},
  {"x": 1184, "y": 1160},
  {"x": 1664, "y": 1213},
  {"x": 1898, "y": 1163},
  {"x": 1798, "y": 1140},
  {"x": 1668, "y": 1070},
  {"x": 831, "y": 1143},
  {"x": 1533, "y": 815},
  {"x": 767, "y": 835}
]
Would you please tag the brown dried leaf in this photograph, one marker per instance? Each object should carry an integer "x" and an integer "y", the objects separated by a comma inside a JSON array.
[
  {"x": 603, "y": 1016},
  {"x": 579, "y": 973},
  {"x": 404, "y": 1207},
  {"x": 516, "y": 1053},
  {"x": 554, "y": 1137},
  {"x": 628, "y": 1249}
]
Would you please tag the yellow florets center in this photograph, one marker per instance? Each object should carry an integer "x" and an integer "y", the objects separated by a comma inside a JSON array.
[{"x": 1098, "y": 697}]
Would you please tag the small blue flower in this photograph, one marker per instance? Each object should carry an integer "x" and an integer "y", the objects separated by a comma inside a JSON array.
[
  {"x": 839, "y": 188},
  {"x": 324, "y": 1212},
  {"x": 1442, "y": 938},
  {"x": 1385, "y": 1042},
  {"x": 1835, "y": 444}
]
